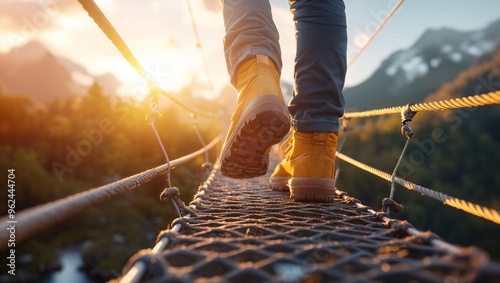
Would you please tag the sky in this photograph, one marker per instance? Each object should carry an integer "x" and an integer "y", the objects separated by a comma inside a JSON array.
[{"x": 160, "y": 34}]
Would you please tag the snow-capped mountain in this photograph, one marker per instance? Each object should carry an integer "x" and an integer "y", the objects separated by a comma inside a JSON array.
[
  {"x": 408, "y": 76},
  {"x": 31, "y": 69}
]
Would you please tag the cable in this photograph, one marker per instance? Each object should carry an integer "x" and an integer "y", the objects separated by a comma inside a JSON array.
[
  {"x": 461, "y": 102},
  {"x": 480, "y": 211},
  {"x": 33, "y": 220},
  {"x": 200, "y": 46},
  {"x": 409, "y": 230},
  {"x": 382, "y": 24},
  {"x": 107, "y": 28}
]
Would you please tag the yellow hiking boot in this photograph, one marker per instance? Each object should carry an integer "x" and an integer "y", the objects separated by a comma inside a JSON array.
[
  {"x": 308, "y": 167},
  {"x": 260, "y": 120},
  {"x": 279, "y": 178}
]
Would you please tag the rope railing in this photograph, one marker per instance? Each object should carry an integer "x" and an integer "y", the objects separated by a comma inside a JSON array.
[
  {"x": 461, "y": 102},
  {"x": 471, "y": 208},
  {"x": 38, "y": 218},
  {"x": 375, "y": 33},
  {"x": 408, "y": 230},
  {"x": 33, "y": 220},
  {"x": 136, "y": 272},
  {"x": 200, "y": 46},
  {"x": 107, "y": 28},
  {"x": 138, "y": 268}
]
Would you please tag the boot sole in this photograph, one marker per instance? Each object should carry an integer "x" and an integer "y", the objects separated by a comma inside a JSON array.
[
  {"x": 264, "y": 123},
  {"x": 279, "y": 183},
  {"x": 312, "y": 189}
]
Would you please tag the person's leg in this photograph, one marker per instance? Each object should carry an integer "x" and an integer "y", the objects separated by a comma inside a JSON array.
[
  {"x": 260, "y": 118},
  {"x": 250, "y": 30},
  {"x": 318, "y": 103},
  {"x": 320, "y": 65}
]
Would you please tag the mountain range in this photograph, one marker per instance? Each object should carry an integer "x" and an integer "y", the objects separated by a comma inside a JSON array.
[
  {"x": 410, "y": 75},
  {"x": 33, "y": 70},
  {"x": 406, "y": 76}
]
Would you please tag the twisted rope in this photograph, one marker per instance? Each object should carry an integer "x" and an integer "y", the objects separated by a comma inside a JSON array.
[
  {"x": 410, "y": 230},
  {"x": 198, "y": 44},
  {"x": 471, "y": 208},
  {"x": 461, "y": 102},
  {"x": 107, "y": 28},
  {"x": 33, "y": 220},
  {"x": 382, "y": 24}
]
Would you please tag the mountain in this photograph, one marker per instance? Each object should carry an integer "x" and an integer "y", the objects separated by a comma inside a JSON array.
[
  {"x": 33, "y": 70},
  {"x": 408, "y": 76}
]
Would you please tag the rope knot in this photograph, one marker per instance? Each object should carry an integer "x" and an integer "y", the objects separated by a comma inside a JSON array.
[
  {"x": 170, "y": 194},
  {"x": 173, "y": 194},
  {"x": 379, "y": 216},
  {"x": 391, "y": 204},
  {"x": 400, "y": 227}
]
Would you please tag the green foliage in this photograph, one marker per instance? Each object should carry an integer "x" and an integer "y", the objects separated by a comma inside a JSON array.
[
  {"x": 453, "y": 152},
  {"x": 80, "y": 143}
]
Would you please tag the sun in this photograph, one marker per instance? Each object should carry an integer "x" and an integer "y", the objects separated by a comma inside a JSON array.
[{"x": 169, "y": 68}]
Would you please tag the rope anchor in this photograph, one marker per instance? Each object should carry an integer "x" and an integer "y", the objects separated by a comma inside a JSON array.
[
  {"x": 172, "y": 194},
  {"x": 407, "y": 116}
]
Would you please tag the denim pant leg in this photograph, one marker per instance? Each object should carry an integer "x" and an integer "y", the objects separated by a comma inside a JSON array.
[
  {"x": 320, "y": 65},
  {"x": 250, "y": 30}
]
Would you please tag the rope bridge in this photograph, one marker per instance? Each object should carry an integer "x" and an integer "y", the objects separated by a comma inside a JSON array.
[
  {"x": 245, "y": 232},
  {"x": 240, "y": 231}
]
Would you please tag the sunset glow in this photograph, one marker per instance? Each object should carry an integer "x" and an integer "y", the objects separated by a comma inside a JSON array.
[{"x": 161, "y": 36}]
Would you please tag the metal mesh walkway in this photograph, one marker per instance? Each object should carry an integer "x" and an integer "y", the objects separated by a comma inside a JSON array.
[{"x": 244, "y": 232}]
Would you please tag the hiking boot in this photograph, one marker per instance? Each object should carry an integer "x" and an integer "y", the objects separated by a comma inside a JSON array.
[
  {"x": 308, "y": 167},
  {"x": 260, "y": 120},
  {"x": 279, "y": 178}
]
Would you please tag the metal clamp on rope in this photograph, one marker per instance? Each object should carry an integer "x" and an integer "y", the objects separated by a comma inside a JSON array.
[{"x": 407, "y": 116}]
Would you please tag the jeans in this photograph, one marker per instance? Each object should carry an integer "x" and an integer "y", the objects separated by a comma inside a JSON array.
[{"x": 320, "y": 61}]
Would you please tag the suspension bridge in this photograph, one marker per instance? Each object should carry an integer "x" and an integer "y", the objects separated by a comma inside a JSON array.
[{"x": 241, "y": 231}]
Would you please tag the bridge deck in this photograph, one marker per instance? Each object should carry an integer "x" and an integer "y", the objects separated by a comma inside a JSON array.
[{"x": 245, "y": 232}]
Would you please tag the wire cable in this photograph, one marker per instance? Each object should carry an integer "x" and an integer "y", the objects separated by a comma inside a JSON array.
[
  {"x": 382, "y": 24},
  {"x": 461, "y": 102},
  {"x": 474, "y": 209},
  {"x": 107, "y": 28},
  {"x": 33, "y": 220},
  {"x": 200, "y": 46}
]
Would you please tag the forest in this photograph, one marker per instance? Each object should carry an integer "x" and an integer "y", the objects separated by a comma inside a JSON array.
[
  {"x": 79, "y": 143},
  {"x": 454, "y": 152}
]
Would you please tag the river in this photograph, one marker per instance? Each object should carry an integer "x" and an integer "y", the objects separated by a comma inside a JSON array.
[{"x": 71, "y": 260}]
